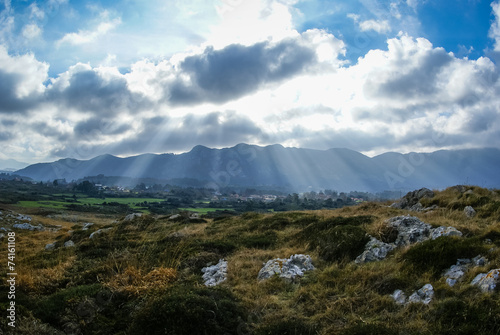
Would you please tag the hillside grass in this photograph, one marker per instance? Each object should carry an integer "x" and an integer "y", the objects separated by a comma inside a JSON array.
[{"x": 145, "y": 274}]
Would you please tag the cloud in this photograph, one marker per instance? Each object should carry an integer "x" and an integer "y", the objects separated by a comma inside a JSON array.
[
  {"x": 89, "y": 36},
  {"x": 379, "y": 26},
  {"x": 31, "y": 31},
  {"x": 494, "y": 32}
]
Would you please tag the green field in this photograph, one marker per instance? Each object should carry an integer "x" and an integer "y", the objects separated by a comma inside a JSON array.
[
  {"x": 131, "y": 202},
  {"x": 204, "y": 210}
]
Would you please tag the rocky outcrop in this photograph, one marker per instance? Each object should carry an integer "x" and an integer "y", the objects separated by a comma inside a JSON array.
[
  {"x": 411, "y": 201},
  {"x": 290, "y": 268},
  {"x": 457, "y": 271},
  {"x": 132, "y": 216},
  {"x": 99, "y": 232},
  {"x": 87, "y": 225},
  {"x": 469, "y": 212},
  {"x": 487, "y": 281},
  {"x": 27, "y": 226},
  {"x": 375, "y": 250},
  {"x": 445, "y": 231},
  {"x": 410, "y": 230},
  {"x": 423, "y": 296},
  {"x": 215, "y": 274}
]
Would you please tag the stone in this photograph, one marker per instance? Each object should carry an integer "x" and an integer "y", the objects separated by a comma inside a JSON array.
[
  {"x": 375, "y": 250},
  {"x": 410, "y": 230},
  {"x": 99, "y": 232},
  {"x": 454, "y": 273},
  {"x": 479, "y": 260},
  {"x": 50, "y": 246},
  {"x": 445, "y": 231},
  {"x": 23, "y": 217},
  {"x": 132, "y": 216},
  {"x": 411, "y": 200},
  {"x": 69, "y": 244},
  {"x": 27, "y": 226},
  {"x": 175, "y": 217},
  {"x": 424, "y": 295},
  {"x": 469, "y": 212},
  {"x": 87, "y": 225},
  {"x": 2, "y": 235},
  {"x": 215, "y": 274},
  {"x": 290, "y": 268},
  {"x": 487, "y": 281},
  {"x": 399, "y": 297}
]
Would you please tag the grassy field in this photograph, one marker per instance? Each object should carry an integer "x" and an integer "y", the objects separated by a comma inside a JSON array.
[
  {"x": 145, "y": 275},
  {"x": 131, "y": 202},
  {"x": 203, "y": 210}
]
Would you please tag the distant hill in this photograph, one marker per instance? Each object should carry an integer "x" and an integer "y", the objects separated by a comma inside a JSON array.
[
  {"x": 10, "y": 165},
  {"x": 296, "y": 169}
]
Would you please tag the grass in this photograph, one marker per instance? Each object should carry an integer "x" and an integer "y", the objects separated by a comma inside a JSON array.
[
  {"x": 203, "y": 210},
  {"x": 145, "y": 274}
]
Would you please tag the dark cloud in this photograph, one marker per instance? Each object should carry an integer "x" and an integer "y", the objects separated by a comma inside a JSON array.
[
  {"x": 97, "y": 127},
  {"x": 9, "y": 102},
  {"x": 420, "y": 81},
  {"x": 6, "y": 135},
  {"x": 221, "y": 75},
  {"x": 88, "y": 91}
]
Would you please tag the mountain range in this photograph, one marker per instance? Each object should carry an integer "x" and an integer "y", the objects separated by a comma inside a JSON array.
[{"x": 295, "y": 169}]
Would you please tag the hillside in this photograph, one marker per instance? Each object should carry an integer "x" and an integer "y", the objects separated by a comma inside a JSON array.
[
  {"x": 292, "y": 168},
  {"x": 85, "y": 273}
]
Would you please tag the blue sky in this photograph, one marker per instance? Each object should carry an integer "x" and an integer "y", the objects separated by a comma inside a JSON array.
[{"x": 84, "y": 78}]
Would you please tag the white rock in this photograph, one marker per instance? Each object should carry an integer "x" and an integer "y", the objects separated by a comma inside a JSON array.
[
  {"x": 399, "y": 297},
  {"x": 215, "y": 274},
  {"x": 469, "y": 212},
  {"x": 27, "y": 226},
  {"x": 69, "y": 244},
  {"x": 290, "y": 268},
  {"x": 424, "y": 295},
  {"x": 487, "y": 281},
  {"x": 99, "y": 232},
  {"x": 87, "y": 225},
  {"x": 445, "y": 231},
  {"x": 375, "y": 250},
  {"x": 132, "y": 216}
]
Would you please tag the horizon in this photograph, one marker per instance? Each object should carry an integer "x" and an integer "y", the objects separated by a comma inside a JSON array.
[{"x": 81, "y": 79}]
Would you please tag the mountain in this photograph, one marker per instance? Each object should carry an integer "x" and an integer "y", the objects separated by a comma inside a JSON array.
[
  {"x": 293, "y": 168},
  {"x": 11, "y": 165}
]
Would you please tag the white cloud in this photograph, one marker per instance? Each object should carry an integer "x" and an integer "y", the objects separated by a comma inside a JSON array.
[
  {"x": 494, "y": 32},
  {"x": 89, "y": 36},
  {"x": 31, "y": 31},
  {"x": 380, "y": 26}
]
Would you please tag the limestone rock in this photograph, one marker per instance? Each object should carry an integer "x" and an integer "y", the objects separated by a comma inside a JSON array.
[
  {"x": 27, "y": 226},
  {"x": 411, "y": 200},
  {"x": 50, "y": 246},
  {"x": 457, "y": 271},
  {"x": 132, "y": 216},
  {"x": 424, "y": 295},
  {"x": 399, "y": 297},
  {"x": 99, "y": 232},
  {"x": 445, "y": 231},
  {"x": 375, "y": 250},
  {"x": 487, "y": 281},
  {"x": 87, "y": 225},
  {"x": 69, "y": 244},
  {"x": 410, "y": 230},
  {"x": 469, "y": 212},
  {"x": 290, "y": 268},
  {"x": 215, "y": 274}
]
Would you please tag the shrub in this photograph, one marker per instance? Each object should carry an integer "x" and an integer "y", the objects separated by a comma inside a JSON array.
[
  {"x": 441, "y": 253},
  {"x": 190, "y": 311},
  {"x": 341, "y": 242},
  {"x": 219, "y": 246}
]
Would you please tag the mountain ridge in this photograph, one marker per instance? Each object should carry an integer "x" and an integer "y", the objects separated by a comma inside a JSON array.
[{"x": 299, "y": 169}]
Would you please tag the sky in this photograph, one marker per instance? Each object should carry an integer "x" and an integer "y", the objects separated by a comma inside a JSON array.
[{"x": 80, "y": 79}]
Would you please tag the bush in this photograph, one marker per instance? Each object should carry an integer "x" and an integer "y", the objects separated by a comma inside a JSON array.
[
  {"x": 341, "y": 242},
  {"x": 190, "y": 311},
  {"x": 441, "y": 253},
  {"x": 219, "y": 246}
]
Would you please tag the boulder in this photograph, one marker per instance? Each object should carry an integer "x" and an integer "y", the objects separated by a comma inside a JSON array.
[
  {"x": 68, "y": 244},
  {"x": 445, "y": 231},
  {"x": 487, "y": 281},
  {"x": 215, "y": 274},
  {"x": 27, "y": 226},
  {"x": 50, "y": 246},
  {"x": 399, "y": 297},
  {"x": 457, "y": 271},
  {"x": 375, "y": 250},
  {"x": 99, "y": 232},
  {"x": 290, "y": 268},
  {"x": 132, "y": 216},
  {"x": 411, "y": 200},
  {"x": 424, "y": 295},
  {"x": 469, "y": 212},
  {"x": 87, "y": 225},
  {"x": 410, "y": 230}
]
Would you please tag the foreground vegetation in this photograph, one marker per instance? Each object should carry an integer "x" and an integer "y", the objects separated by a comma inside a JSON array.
[{"x": 144, "y": 275}]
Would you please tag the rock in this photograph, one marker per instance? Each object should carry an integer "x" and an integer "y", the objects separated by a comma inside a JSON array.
[
  {"x": 424, "y": 295},
  {"x": 487, "y": 281},
  {"x": 27, "y": 226},
  {"x": 99, "y": 232},
  {"x": 469, "y": 212},
  {"x": 445, "y": 231},
  {"x": 410, "y": 230},
  {"x": 50, "y": 246},
  {"x": 215, "y": 274},
  {"x": 454, "y": 273},
  {"x": 411, "y": 200},
  {"x": 399, "y": 297},
  {"x": 69, "y": 244},
  {"x": 23, "y": 217},
  {"x": 132, "y": 216},
  {"x": 290, "y": 268},
  {"x": 87, "y": 225},
  {"x": 375, "y": 250},
  {"x": 2, "y": 235},
  {"x": 479, "y": 260}
]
